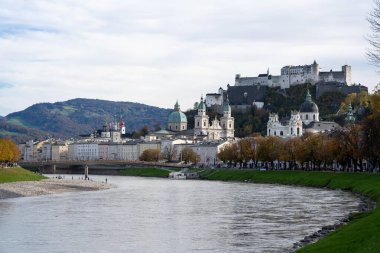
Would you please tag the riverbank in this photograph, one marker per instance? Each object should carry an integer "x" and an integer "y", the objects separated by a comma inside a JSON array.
[
  {"x": 15, "y": 174},
  {"x": 360, "y": 235},
  {"x": 49, "y": 186},
  {"x": 145, "y": 172}
]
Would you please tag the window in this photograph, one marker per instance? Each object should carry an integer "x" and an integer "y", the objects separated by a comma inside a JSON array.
[
  {"x": 274, "y": 133},
  {"x": 269, "y": 132},
  {"x": 314, "y": 116},
  {"x": 204, "y": 123},
  {"x": 281, "y": 133},
  {"x": 230, "y": 125},
  {"x": 291, "y": 131},
  {"x": 198, "y": 123},
  {"x": 307, "y": 116},
  {"x": 298, "y": 131}
]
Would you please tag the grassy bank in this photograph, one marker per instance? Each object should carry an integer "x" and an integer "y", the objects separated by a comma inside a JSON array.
[
  {"x": 361, "y": 235},
  {"x": 8, "y": 175},
  {"x": 145, "y": 172}
]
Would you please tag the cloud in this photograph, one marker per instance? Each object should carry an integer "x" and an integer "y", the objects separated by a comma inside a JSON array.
[
  {"x": 5, "y": 85},
  {"x": 155, "y": 52}
]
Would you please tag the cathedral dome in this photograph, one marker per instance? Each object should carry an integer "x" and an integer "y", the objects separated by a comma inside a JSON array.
[
  {"x": 177, "y": 116},
  {"x": 309, "y": 105}
]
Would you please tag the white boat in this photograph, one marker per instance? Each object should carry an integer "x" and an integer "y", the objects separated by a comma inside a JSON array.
[{"x": 177, "y": 175}]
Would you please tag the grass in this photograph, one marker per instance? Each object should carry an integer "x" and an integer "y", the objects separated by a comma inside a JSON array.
[
  {"x": 8, "y": 175},
  {"x": 361, "y": 234},
  {"x": 145, "y": 172}
]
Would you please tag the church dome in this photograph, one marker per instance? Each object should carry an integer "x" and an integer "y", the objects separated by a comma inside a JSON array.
[
  {"x": 309, "y": 105},
  {"x": 177, "y": 116}
]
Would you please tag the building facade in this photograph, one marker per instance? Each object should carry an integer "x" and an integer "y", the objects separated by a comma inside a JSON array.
[
  {"x": 218, "y": 129},
  {"x": 300, "y": 122}
]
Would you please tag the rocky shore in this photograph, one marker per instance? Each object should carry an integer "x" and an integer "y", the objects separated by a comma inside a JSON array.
[{"x": 49, "y": 186}]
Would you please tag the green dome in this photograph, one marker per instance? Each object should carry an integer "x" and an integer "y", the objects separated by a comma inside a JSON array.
[
  {"x": 309, "y": 106},
  {"x": 177, "y": 117}
]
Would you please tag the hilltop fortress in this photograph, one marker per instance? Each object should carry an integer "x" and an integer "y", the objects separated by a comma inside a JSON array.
[{"x": 293, "y": 75}]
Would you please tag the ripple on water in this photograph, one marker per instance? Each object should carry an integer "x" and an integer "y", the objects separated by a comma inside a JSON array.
[{"x": 158, "y": 215}]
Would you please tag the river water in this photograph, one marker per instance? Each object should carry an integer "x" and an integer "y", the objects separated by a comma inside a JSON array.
[{"x": 160, "y": 215}]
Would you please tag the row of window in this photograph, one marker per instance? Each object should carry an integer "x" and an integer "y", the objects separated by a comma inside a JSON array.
[{"x": 282, "y": 133}]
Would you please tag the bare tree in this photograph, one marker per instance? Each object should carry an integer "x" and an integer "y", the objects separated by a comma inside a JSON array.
[{"x": 373, "y": 53}]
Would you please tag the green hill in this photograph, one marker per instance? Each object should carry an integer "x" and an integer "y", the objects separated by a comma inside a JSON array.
[{"x": 77, "y": 116}]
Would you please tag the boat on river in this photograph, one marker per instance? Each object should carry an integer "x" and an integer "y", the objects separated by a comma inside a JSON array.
[{"x": 177, "y": 175}]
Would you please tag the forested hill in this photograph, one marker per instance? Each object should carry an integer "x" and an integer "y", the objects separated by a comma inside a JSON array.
[{"x": 77, "y": 116}]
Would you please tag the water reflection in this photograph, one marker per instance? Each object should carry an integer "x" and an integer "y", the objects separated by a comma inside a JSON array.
[{"x": 159, "y": 215}]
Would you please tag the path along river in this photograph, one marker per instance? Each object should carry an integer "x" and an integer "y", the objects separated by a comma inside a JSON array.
[{"x": 160, "y": 215}]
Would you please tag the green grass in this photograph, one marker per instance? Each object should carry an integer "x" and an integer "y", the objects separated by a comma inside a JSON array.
[
  {"x": 18, "y": 174},
  {"x": 145, "y": 172},
  {"x": 361, "y": 235}
]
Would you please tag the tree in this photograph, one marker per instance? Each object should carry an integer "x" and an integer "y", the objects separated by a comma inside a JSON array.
[
  {"x": 188, "y": 155},
  {"x": 373, "y": 53},
  {"x": 169, "y": 153},
  {"x": 269, "y": 149},
  {"x": 150, "y": 155},
  {"x": 8, "y": 151},
  {"x": 229, "y": 153}
]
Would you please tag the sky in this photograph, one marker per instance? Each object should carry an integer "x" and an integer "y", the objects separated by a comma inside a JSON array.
[{"x": 158, "y": 52}]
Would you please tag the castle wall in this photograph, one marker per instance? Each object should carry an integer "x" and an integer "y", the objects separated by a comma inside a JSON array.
[{"x": 294, "y": 75}]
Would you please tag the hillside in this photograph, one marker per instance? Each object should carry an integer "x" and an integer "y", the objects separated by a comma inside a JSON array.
[{"x": 77, "y": 116}]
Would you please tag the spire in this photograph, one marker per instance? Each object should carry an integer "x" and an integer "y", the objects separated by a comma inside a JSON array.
[
  {"x": 176, "y": 106},
  {"x": 226, "y": 105},
  {"x": 202, "y": 105},
  {"x": 350, "y": 115},
  {"x": 308, "y": 96}
]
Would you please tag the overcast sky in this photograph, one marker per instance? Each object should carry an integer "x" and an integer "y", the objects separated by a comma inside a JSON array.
[{"x": 155, "y": 52}]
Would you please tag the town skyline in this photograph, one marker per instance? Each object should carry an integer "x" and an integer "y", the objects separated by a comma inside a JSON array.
[{"x": 157, "y": 53}]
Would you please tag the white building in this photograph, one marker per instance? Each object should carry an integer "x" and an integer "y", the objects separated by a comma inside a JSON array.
[
  {"x": 306, "y": 120},
  {"x": 83, "y": 151},
  {"x": 293, "y": 75},
  {"x": 208, "y": 152},
  {"x": 223, "y": 129},
  {"x": 292, "y": 128}
]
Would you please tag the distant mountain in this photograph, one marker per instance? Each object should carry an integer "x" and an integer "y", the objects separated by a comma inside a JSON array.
[{"x": 78, "y": 116}]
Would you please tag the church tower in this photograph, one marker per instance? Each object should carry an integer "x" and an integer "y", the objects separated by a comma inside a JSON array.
[
  {"x": 227, "y": 121},
  {"x": 121, "y": 124},
  {"x": 201, "y": 123}
]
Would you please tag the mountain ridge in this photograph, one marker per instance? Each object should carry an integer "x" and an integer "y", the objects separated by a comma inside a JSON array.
[{"x": 66, "y": 119}]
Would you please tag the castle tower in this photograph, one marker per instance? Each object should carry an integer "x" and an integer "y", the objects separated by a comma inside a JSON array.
[
  {"x": 347, "y": 74},
  {"x": 201, "y": 123},
  {"x": 314, "y": 72},
  {"x": 227, "y": 121}
]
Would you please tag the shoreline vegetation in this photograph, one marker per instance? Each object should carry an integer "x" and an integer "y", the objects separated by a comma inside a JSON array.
[
  {"x": 360, "y": 233},
  {"x": 18, "y": 182}
]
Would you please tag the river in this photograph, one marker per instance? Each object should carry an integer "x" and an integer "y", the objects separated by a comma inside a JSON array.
[{"x": 160, "y": 215}]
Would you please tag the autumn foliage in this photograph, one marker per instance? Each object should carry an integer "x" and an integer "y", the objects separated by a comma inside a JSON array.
[{"x": 8, "y": 151}]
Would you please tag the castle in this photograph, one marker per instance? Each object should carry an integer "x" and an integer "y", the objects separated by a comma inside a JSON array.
[{"x": 293, "y": 75}]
